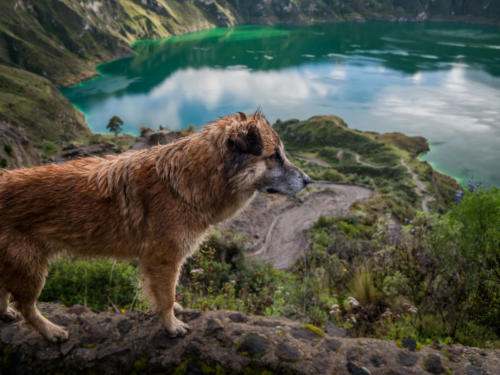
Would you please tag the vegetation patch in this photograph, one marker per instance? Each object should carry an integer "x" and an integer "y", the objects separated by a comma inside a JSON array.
[
  {"x": 327, "y": 149},
  {"x": 316, "y": 330},
  {"x": 439, "y": 282},
  {"x": 36, "y": 104}
]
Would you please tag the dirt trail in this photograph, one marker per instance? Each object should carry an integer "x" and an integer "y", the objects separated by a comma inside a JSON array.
[
  {"x": 420, "y": 189},
  {"x": 310, "y": 159},
  {"x": 278, "y": 226},
  {"x": 365, "y": 163},
  {"x": 323, "y": 163}
]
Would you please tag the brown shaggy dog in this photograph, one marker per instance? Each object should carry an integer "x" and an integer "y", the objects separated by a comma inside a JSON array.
[{"x": 153, "y": 205}]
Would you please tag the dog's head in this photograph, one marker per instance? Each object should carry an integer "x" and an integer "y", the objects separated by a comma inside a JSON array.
[{"x": 257, "y": 158}]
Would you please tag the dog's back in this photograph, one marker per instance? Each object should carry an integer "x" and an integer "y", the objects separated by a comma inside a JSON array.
[{"x": 64, "y": 206}]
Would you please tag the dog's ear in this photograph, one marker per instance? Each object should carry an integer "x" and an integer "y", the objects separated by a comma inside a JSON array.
[{"x": 249, "y": 142}]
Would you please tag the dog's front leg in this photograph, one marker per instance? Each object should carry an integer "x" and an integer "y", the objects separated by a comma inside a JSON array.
[{"x": 160, "y": 280}]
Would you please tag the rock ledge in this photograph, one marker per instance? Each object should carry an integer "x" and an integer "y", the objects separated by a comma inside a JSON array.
[{"x": 220, "y": 342}]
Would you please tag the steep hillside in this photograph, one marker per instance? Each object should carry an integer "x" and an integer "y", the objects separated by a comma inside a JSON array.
[
  {"x": 64, "y": 40},
  {"x": 35, "y": 103},
  {"x": 327, "y": 149}
]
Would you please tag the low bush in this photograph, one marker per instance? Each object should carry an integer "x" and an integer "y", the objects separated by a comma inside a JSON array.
[
  {"x": 48, "y": 149},
  {"x": 100, "y": 284},
  {"x": 8, "y": 150}
]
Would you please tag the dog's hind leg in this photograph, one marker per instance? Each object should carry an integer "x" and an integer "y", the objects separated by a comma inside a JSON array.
[
  {"x": 25, "y": 301},
  {"x": 7, "y": 313},
  {"x": 25, "y": 278},
  {"x": 47, "y": 329}
]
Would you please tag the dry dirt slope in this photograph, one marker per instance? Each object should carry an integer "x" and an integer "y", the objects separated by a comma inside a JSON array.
[{"x": 277, "y": 226}]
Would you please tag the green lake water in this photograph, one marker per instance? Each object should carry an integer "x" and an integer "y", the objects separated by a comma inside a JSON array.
[{"x": 438, "y": 80}]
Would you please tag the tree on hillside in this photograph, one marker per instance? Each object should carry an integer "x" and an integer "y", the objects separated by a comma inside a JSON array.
[{"x": 115, "y": 125}]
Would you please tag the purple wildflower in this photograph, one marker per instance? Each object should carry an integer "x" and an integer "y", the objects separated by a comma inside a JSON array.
[
  {"x": 472, "y": 187},
  {"x": 458, "y": 196}
]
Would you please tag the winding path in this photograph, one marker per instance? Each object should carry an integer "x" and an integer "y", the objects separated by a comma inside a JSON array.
[
  {"x": 288, "y": 234},
  {"x": 420, "y": 188},
  {"x": 365, "y": 163},
  {"x": 278, "y": 226},
  {"x": 313, "y": 160}
]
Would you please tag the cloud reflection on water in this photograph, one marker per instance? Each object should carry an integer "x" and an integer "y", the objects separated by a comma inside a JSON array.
[
  {"x": 445, "y": 106},
  {"x": 441, "y": 82}
]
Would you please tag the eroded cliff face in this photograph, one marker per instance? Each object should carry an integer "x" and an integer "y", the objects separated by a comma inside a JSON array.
[
  {"x": 16, "y": 150},
  {"x": 220, "y": 342}
]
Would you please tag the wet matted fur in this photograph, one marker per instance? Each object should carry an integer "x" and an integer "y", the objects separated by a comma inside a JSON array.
[{"x": 152, "y": 205}]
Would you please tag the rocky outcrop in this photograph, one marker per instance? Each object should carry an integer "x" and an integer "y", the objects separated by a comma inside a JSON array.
[
  {"x": 16, "y": 150},
  {"x": 220, "y": 342},
  {"x": 148, "y": 139},
  {"x": 151, "y": 138},
  {"x": 71, "y": 151}
]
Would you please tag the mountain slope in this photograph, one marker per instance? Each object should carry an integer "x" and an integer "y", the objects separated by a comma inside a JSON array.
[{"x": 36, "y": 104}]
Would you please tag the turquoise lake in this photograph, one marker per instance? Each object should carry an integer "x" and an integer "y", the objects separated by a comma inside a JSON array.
[{"x": 438, "y": 80}]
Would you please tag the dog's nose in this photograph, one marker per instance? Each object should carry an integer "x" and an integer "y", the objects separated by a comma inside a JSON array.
[{"x": 307, "y": 179}]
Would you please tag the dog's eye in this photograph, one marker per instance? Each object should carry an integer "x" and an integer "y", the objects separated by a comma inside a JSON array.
[{"x": 276, "y": 157}]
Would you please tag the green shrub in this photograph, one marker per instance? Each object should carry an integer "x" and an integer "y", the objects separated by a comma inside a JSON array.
[
  {"x": 94, "y": 139},
  {"x": 9, "y": 150},
  {"x": 98, "y": 284},
  {"x": 363, "y": 287},
  {"x": 466, "y": 246},
  {"x": 144, "y": 129},
  {"x": 48, "y": 149}
]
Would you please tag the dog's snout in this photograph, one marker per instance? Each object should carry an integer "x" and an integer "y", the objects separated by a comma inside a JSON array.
[{"x": 307, "y": 179}]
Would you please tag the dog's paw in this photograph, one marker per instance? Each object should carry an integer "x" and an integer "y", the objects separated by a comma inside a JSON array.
[
  {"x": 10, "y": 315},
  {"x": 178, "y": 307},
  {"x": 177, "y": 328},
  {"x": 56, "y": 334}
]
